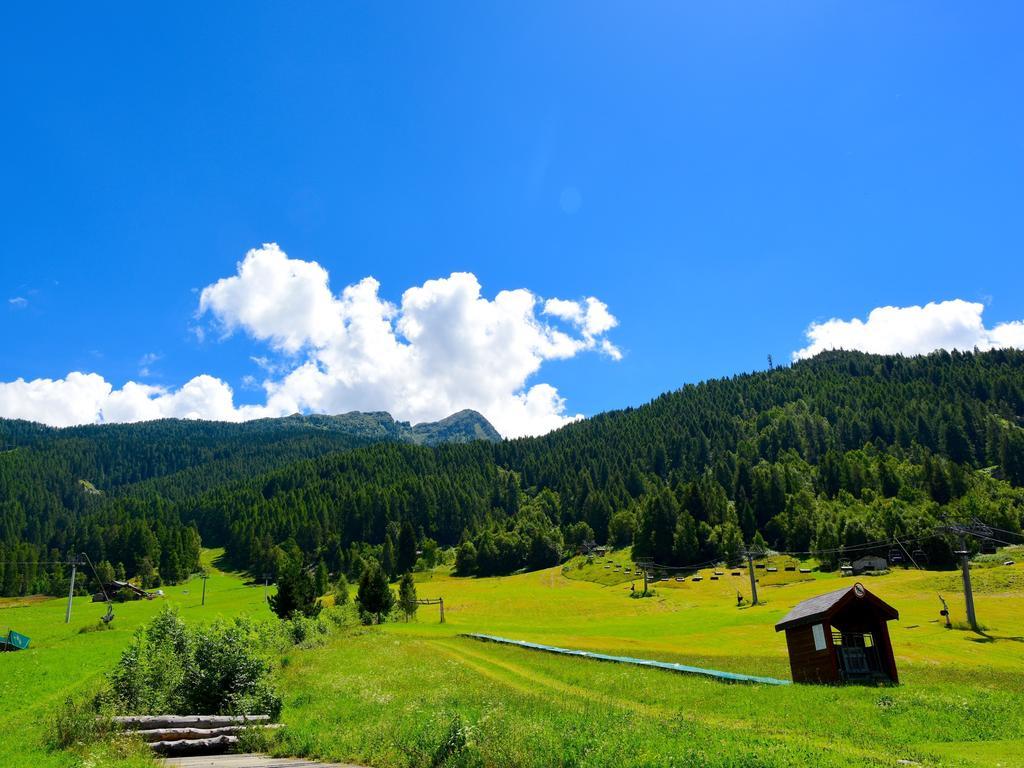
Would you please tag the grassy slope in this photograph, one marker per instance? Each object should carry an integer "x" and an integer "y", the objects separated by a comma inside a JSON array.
[
  {"x": 61, "y": 662},
  {"x": 391, "y": 700},
  {"x": 391, "y": 696}
]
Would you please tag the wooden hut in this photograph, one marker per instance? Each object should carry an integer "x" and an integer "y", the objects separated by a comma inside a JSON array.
[
  {"x": 869, "y": 563},
  {"x": 121, "y": 591},
  {"x": 841, "y": 637}
]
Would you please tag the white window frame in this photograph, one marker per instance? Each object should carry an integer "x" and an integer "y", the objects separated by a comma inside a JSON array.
[{"x": 818, "y": 630}]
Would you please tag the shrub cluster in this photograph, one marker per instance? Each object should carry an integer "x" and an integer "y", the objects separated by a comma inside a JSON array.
[{"x": 172, "y": 668}]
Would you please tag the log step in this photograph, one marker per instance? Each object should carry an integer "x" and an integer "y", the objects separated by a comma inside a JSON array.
[
  {"x": 195, "y": 746},
  {"x": 149, "y": 722},
  {"x": 178, "y": 734}
]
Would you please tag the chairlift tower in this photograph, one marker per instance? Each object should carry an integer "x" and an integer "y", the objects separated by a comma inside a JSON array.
[
  {"x": 977, "y": 530},
  {"x": 74, "y": 561},
  {"x": 645, "y": 566},
  {"x": 750, "y": 554}
]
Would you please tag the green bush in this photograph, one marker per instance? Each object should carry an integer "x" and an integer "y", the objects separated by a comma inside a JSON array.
[
  {"x": 304, "y": 631},
  {"x": 170, "y": 668}
]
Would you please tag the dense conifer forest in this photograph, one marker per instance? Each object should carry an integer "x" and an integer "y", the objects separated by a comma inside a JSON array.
[{"x": 828, "y": 454}]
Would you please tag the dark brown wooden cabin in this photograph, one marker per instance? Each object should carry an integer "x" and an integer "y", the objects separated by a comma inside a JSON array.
[{"x": 841, "y": 637}]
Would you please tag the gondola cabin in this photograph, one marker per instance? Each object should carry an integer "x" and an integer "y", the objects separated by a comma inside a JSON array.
[{"x": 841, "y": 637}]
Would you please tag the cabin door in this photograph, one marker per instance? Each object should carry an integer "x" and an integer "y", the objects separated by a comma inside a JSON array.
[{"x": 858, "y": 656}]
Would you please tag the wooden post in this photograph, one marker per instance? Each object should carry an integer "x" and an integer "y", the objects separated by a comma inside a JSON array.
[
  {"x": 441, "y": 600},
  {"x": 204, "y": 577}
]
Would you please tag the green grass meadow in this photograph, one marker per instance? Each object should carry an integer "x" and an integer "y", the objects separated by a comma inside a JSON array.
[{"x": 418, "y": 693}]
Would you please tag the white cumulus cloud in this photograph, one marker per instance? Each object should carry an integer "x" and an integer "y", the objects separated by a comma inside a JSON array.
[
  {"x": 914, "y": 330},
  {"x": 443, "y": 347}
]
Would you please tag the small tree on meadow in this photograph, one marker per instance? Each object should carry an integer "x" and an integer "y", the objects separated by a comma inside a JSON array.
[
  {"x": 465, "y": 559},
  {"x": 321, "y": 579},
  {"x": 296, "y": 592},
  {"x": 407, "y": 596},
  {"x": 375, "y": 597},
  {"x": 341, "y": 591}
]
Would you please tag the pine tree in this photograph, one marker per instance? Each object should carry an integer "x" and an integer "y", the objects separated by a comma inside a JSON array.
[
  {"x": 686, "y": 547},
  {"x": 657, "y": 525},
  {"x": 321, "y": 578},
  {"x": 407, "y": 596},
  {"x": 1011, "y": 456},
  {"x": 375, "y": 597},
  {"x": 341, "y": 590},
  {"x": 387, "y": 558},
  {"x": 406, "y": 558},
  {"x": 295, "y": 592}
]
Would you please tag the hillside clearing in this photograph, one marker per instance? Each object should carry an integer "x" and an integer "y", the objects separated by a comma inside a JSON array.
[{"x": 406, "y": 694}]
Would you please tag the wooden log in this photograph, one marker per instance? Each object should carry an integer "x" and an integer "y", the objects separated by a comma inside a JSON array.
[
  {"x": 194, "y": 746},
  {"x": 179, "y": 734},
  {"x": 140, "y": 722}
]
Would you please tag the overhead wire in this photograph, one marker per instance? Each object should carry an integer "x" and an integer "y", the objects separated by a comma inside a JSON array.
[
  {"x": 1002, "y": 530},
  {"x": 907, "y": 553}
]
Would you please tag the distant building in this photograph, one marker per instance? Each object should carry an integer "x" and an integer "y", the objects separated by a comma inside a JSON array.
[
  {"x": 591, "y": 547},
  {"x": 869, "y": 563},
  {"x": 840, "y": 637},
  {"x": 121, "y": 591}
]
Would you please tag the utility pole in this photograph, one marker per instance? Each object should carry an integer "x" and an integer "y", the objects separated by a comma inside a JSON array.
[
  {"x": 71, "y": 591},
  {"x": 753, "y": 579},
  {"x": 978, "y": 530},
  {"x": 643, "y": 566},
  {"x": 266, "y": 581},
  {"x": 965, "y": 570}
]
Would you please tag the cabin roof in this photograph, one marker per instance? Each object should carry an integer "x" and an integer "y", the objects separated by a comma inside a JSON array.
[
  {"x": 870, "y": 559},
  {"x": 815, "y": 609}
]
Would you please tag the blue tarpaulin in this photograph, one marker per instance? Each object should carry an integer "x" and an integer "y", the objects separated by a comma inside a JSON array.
[
  {"x": 728, "y": 677},
  {"x": 13, "y": 642}
]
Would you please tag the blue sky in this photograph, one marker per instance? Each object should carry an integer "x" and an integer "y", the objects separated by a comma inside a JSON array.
[{"x": 719, "y": 175}]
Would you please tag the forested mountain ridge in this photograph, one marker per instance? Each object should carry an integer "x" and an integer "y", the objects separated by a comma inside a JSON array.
[
  {"x": 142, "y": 472},
  {"x": 830, "y": 452},
  {"x": 833, "y": 451}
]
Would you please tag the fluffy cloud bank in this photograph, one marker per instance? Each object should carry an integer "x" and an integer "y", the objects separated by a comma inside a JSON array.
[
  {"x": 87, "y": 398},
  {"x": 955, "y": 324},
  {"x": 442, "y": 348}
]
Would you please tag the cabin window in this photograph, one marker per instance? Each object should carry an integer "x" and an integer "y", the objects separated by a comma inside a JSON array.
[{"x": 819, "y": 637}]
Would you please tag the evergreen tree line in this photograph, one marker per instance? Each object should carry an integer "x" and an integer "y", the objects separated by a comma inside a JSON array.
[{"x": 831, "y": 452}]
